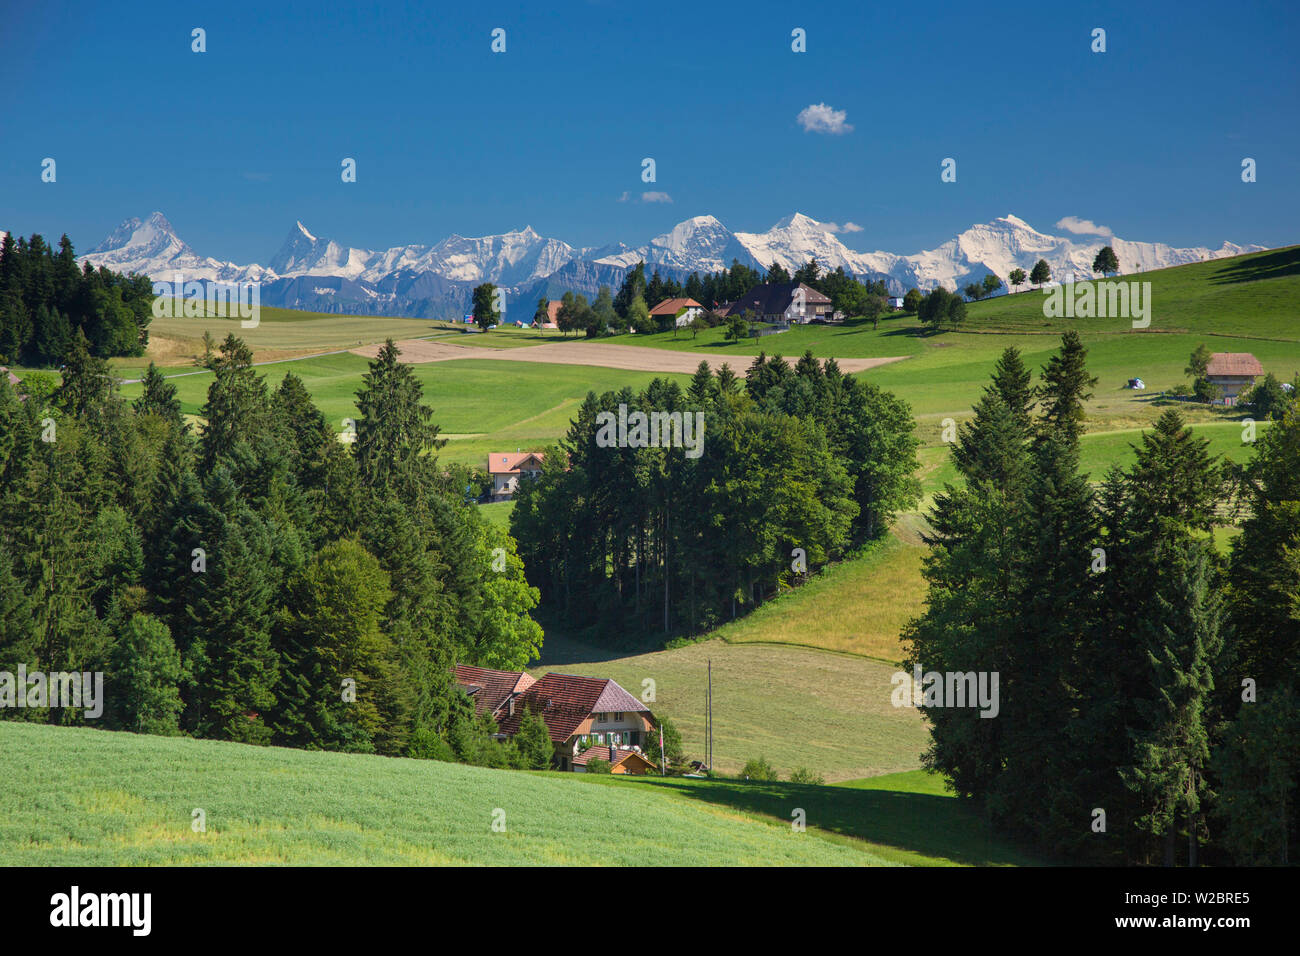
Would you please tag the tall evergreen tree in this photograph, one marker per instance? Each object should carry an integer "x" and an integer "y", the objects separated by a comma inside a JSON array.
[{"x": 1066, "y": 387}]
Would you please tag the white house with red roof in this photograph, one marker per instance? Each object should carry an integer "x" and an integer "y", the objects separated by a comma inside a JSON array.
[
  {"x": 506, "y": 469},
  {"x": 683, "y": 310}
]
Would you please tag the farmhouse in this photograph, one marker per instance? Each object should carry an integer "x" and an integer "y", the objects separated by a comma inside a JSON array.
[
  {"x": 685, "y": 310},
  {"x": 1233, "y": 372},
  {"x": 588, "y": 717},
  {"x": 784, "y": 303},
  {"x": 506, "y": 470}
]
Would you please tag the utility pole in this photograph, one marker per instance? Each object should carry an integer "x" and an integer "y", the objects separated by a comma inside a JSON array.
[{"x": 710, "y": 752}]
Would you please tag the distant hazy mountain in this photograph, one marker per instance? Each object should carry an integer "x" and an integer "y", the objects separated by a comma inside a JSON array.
[{"x": 436, "y": 281}]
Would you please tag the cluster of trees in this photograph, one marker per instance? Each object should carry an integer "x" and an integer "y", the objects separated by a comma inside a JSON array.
[
  {"x": 629, "y": 308},
  {"x": 1147, "y": 684},
  {"x": 262, "y": 581},
  {"x": 46, "y": 301},
  {"x": 793, "y": 469},
  {"x": 939, "y": 307},
  {"x": 981, "y": 290}
]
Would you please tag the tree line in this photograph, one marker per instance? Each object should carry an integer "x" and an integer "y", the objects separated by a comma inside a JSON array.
[
  {"x": 796, "y": 466},
  {"x": 1147, "y": 681},
  {"x": 47, "y": 302},
  {"x": 629, "y": 309},
  {"x": 260, "y": 581}
]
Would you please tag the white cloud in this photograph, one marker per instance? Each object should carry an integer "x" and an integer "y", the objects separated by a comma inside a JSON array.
[
  {"x": 1083, "y": 227},
  {"x": 820, "y": 118},
  {"x": 645, "y": 197},
  {"x": 836, "y": 227}
]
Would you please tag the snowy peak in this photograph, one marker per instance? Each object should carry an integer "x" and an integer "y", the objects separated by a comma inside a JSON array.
[
  {"x": 151, "y": 247},
  {"x": 507, "y": 259},
  {"x": 151, "y": 238},
  {"x": 313, "y": 272},
  {"x": 305, "y": 254},
  {"x": 796, "y": 239}
]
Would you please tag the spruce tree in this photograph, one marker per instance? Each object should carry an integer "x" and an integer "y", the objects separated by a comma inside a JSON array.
[
  {"x": 158, "y": 397},
  {"x": 1066, "y": 387}
]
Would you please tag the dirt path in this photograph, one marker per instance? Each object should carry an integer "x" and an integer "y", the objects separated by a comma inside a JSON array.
[{"x": 630, "y": 357}]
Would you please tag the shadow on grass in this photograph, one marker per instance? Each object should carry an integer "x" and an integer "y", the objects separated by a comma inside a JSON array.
[
  {"x": 1273, "y": 265},
  {"x": 932, "y": 826}
]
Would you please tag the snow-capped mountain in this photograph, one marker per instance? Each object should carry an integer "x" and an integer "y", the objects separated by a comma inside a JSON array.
[
  {"x": 701, "y": 244},
  {"x": 436, "y": 281},
  {"x": 304, "y": 254},
  {"x": 1009, "y": 242},
  {"x": 152, "y": 248}
]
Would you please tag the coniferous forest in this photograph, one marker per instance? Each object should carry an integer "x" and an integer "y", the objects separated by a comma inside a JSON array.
[
  {"x": 46, "y": 302},
  {"x": 1148, "y": 680},
  {"x": 261, "y": 582},
  {"x": 797, "y": 466}
]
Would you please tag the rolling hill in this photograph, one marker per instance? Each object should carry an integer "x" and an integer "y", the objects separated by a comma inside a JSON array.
[{"x": 75, "y": 796}]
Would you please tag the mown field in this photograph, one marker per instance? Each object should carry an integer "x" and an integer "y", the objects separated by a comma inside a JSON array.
[
  {"x": 795, "y": 706},
  {"x": 75, "y": 796}
]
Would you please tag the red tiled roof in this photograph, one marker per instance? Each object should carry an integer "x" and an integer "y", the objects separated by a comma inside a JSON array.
[
  {"x": 602, "y": 752},
  {"x": 673, "y": 306},
  {"x": 490, "y": 689},
  {"x": 507, "y": 463},
  {"x": 566, "y": 700},
  {"x": 1234, "y": 363}
]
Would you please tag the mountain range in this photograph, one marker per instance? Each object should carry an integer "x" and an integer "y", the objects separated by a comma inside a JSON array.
[{"x": 437, "y": 281}]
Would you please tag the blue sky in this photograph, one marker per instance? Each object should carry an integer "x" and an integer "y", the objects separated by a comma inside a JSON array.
[{"x": 237, "y": 143}]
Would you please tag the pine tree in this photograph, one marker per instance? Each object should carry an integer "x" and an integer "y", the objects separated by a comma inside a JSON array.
[
  {"x": 158, "y": 397},
  {"x": 1066, "y": 387},
  {"x": 237, "y": 407},
  {"x": 702, "y": 389},
  {"x": 1014, "y": 382},
  {"x": 231, "y": 661},
  {"x": 395, "y": 432}
]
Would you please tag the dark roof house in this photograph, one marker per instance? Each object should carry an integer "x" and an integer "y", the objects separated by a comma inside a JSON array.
[{"x": 783, "y": 302}]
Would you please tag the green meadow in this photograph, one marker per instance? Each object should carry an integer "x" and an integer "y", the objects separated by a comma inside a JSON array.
[
  {"x": 482, "y": 406},
  {"x": 82, "y": 797}
]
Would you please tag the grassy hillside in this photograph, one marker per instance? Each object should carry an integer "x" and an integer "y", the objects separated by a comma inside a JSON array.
[
  {"x": 482, "y": 406},
  {"x": 89, "y": 797},
  {"x": 1244, "y": 304}
]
